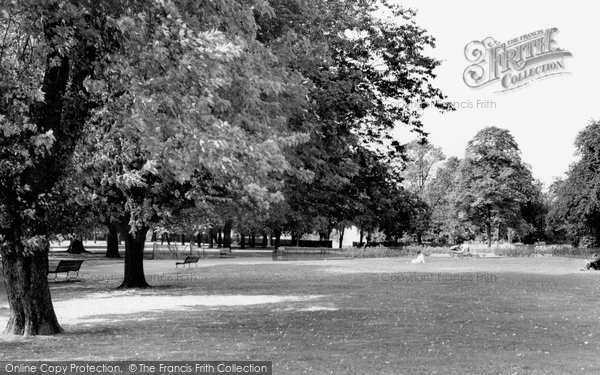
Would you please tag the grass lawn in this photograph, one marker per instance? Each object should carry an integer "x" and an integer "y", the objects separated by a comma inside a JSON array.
[{"x": 381, "y": 316}]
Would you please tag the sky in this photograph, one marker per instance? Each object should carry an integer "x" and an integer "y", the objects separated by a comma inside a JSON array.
[{"x": 544, "y": 116}]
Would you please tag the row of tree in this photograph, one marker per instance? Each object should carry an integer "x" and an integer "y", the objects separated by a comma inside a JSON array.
[
  {"x": 490, "y": 194},
  {"x": 190, "y": 115},
  {"x": 487, "y": 195}
]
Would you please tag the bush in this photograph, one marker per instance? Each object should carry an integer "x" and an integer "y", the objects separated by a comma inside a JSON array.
[
  {"x": 373, "y": 252},
  {"x": 387, "y": 251}
]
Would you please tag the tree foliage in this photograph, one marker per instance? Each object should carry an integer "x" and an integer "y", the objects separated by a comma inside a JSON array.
[
  {"x": 364, "y": 75},
  {"x": 192, "y": 119},
  {"x": 493, "y": 182},
  {"x": 421, "y": 159},
  {"x": 575, "y": 201},
  {"x": 47, "y": 51}
]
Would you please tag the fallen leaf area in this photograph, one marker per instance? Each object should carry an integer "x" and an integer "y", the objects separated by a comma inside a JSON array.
[{"x": 385, "y": 316}]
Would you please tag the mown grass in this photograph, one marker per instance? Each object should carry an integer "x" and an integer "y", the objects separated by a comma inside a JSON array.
[{"x": 374, "y": 316}]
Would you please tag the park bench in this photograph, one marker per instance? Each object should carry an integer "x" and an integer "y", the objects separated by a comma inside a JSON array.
[
  {"x": 226, "y": 253},
  {"x": 188, "y": 260},
  {"x": 66, "y": 266}
]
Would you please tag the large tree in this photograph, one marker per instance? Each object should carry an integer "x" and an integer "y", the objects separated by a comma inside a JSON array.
[
  {"x": 440, "y": 195},
  {"x": 493, "y": 182},
  {"x": 575, "y": 204},
  {"x": 365, "y": 75},
  {"x": 419, "y": 168},
  {"x": 194, "y": 115},
  {"x": 47, "y": 52}
]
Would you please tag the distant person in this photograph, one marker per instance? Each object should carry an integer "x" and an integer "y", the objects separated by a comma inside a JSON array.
[
  {"x": 420, "y": 258},
  {"x": 593, "y": 264},
  {"x": 455, "y": 248},
  {"x": 461, "y": 248}
]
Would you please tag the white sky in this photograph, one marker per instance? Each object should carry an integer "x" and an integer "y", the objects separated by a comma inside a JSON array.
[{"x": 544, "y": 116}]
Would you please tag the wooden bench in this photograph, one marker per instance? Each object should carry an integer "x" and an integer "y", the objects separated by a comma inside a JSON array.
[
  {"x": 188, "y": 260},
  {"x": 66, "y": 266}
]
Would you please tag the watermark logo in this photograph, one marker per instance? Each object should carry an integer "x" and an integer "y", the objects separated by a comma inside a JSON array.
[
  {"x": 515, "y": 63},
  {"x": 417, "y": 278}
]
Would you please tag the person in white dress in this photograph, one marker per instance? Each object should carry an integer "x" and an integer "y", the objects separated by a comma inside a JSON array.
[{"x": 420, "y": 258}]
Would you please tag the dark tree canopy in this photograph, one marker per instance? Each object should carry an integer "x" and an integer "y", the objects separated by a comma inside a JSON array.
[
  {"x": 48, "y": 51},
  {"x": 575, "y": 206},
  {"x": 493, "y": 182}
]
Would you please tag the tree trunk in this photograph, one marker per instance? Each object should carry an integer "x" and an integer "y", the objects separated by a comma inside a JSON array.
[
  {"x": 134, "y": 258},
  {"x": 419, "y": 238},
  {"x": 112, "y": 241},
  {"x": 76, "y": 246},
  {"x": 277, "y": 238},
  {"x": 361, "y": 237},
  {"x": 25, "y": 270},
  {"x": 153, "y": 239},
  {"x": 219, "y": 239},
  {"x": 253, "y": 240},
  {"x": 488, "y": 227},
  {"x": 242, "y": 241},
  {"x": 28, "y": 294},
  {"x": 497, "y": 233},
  {"x": 265, "y": 241},
  {"x": 342, "y": 237},
  {"x": 227, "y": 234}
]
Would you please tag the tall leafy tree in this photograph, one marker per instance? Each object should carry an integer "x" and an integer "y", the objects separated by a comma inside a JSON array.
[
  {"x": 575, "y": 204},
  {"x": 364, "y": 75},
  {"x": 421, "y": 158},
  {"x": 192, "y": 117},
  {"x": 440, "y": 195},
  {"x": 493, "y": 182},
  {"x": 47, "y": 52}
]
